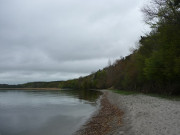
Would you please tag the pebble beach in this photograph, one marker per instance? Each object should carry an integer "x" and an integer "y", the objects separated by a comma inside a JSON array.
[{"x": 133, "y": 115}]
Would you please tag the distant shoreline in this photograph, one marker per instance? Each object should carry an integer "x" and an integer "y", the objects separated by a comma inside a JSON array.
[{"x": 30, "y": 89}]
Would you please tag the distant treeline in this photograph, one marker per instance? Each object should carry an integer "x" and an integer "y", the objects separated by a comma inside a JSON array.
[
  {"x": 54, "y": 84},
  {"x": 154, "y": 66}
]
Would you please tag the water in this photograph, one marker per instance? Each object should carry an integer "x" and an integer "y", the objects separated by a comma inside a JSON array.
[{"x": 45, "y": 112}]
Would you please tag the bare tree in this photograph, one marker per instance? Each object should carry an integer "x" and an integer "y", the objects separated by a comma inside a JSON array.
[
  {"x": 109, "y": 63},
  {"x": 159, "y": 11}
]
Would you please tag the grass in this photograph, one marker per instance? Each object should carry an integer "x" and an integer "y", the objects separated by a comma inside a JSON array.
[
  {"x": 170, "y": 97},
  {"x": 128, "y": 92}
]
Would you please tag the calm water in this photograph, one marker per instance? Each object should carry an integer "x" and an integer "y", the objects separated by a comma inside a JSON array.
[{"x": 45, "y": 112}]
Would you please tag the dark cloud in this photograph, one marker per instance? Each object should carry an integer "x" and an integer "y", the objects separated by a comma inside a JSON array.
[{"x": 43, "y": 40}]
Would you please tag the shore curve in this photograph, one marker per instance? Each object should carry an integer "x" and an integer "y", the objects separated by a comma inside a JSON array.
[{"x": 134, "y": 115}]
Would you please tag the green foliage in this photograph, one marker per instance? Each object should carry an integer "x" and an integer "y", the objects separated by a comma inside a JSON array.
[
  {"x": 54, "y": 84},
  {"x": 153, "y": 69},
  {"x": 126, "y": 92}
]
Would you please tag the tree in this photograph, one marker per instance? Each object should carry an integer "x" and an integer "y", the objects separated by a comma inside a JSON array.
[{"x": 162, "y": 11}]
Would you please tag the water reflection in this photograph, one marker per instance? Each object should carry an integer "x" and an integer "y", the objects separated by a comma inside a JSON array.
[
  {"x": 45, "y": 112},
  {"x": 88, "y": 95}
]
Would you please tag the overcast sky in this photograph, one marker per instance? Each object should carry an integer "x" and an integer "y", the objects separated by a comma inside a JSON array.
[{"x": 49, "y": 40}]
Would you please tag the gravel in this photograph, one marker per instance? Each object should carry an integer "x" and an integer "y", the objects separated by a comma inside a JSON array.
[
  {"x": 107, "y": 119},
  {"x": 146, "y": 115}
]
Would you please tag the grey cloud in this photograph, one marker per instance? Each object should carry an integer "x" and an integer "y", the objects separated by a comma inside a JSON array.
[{"x": 52, "y": 38}]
